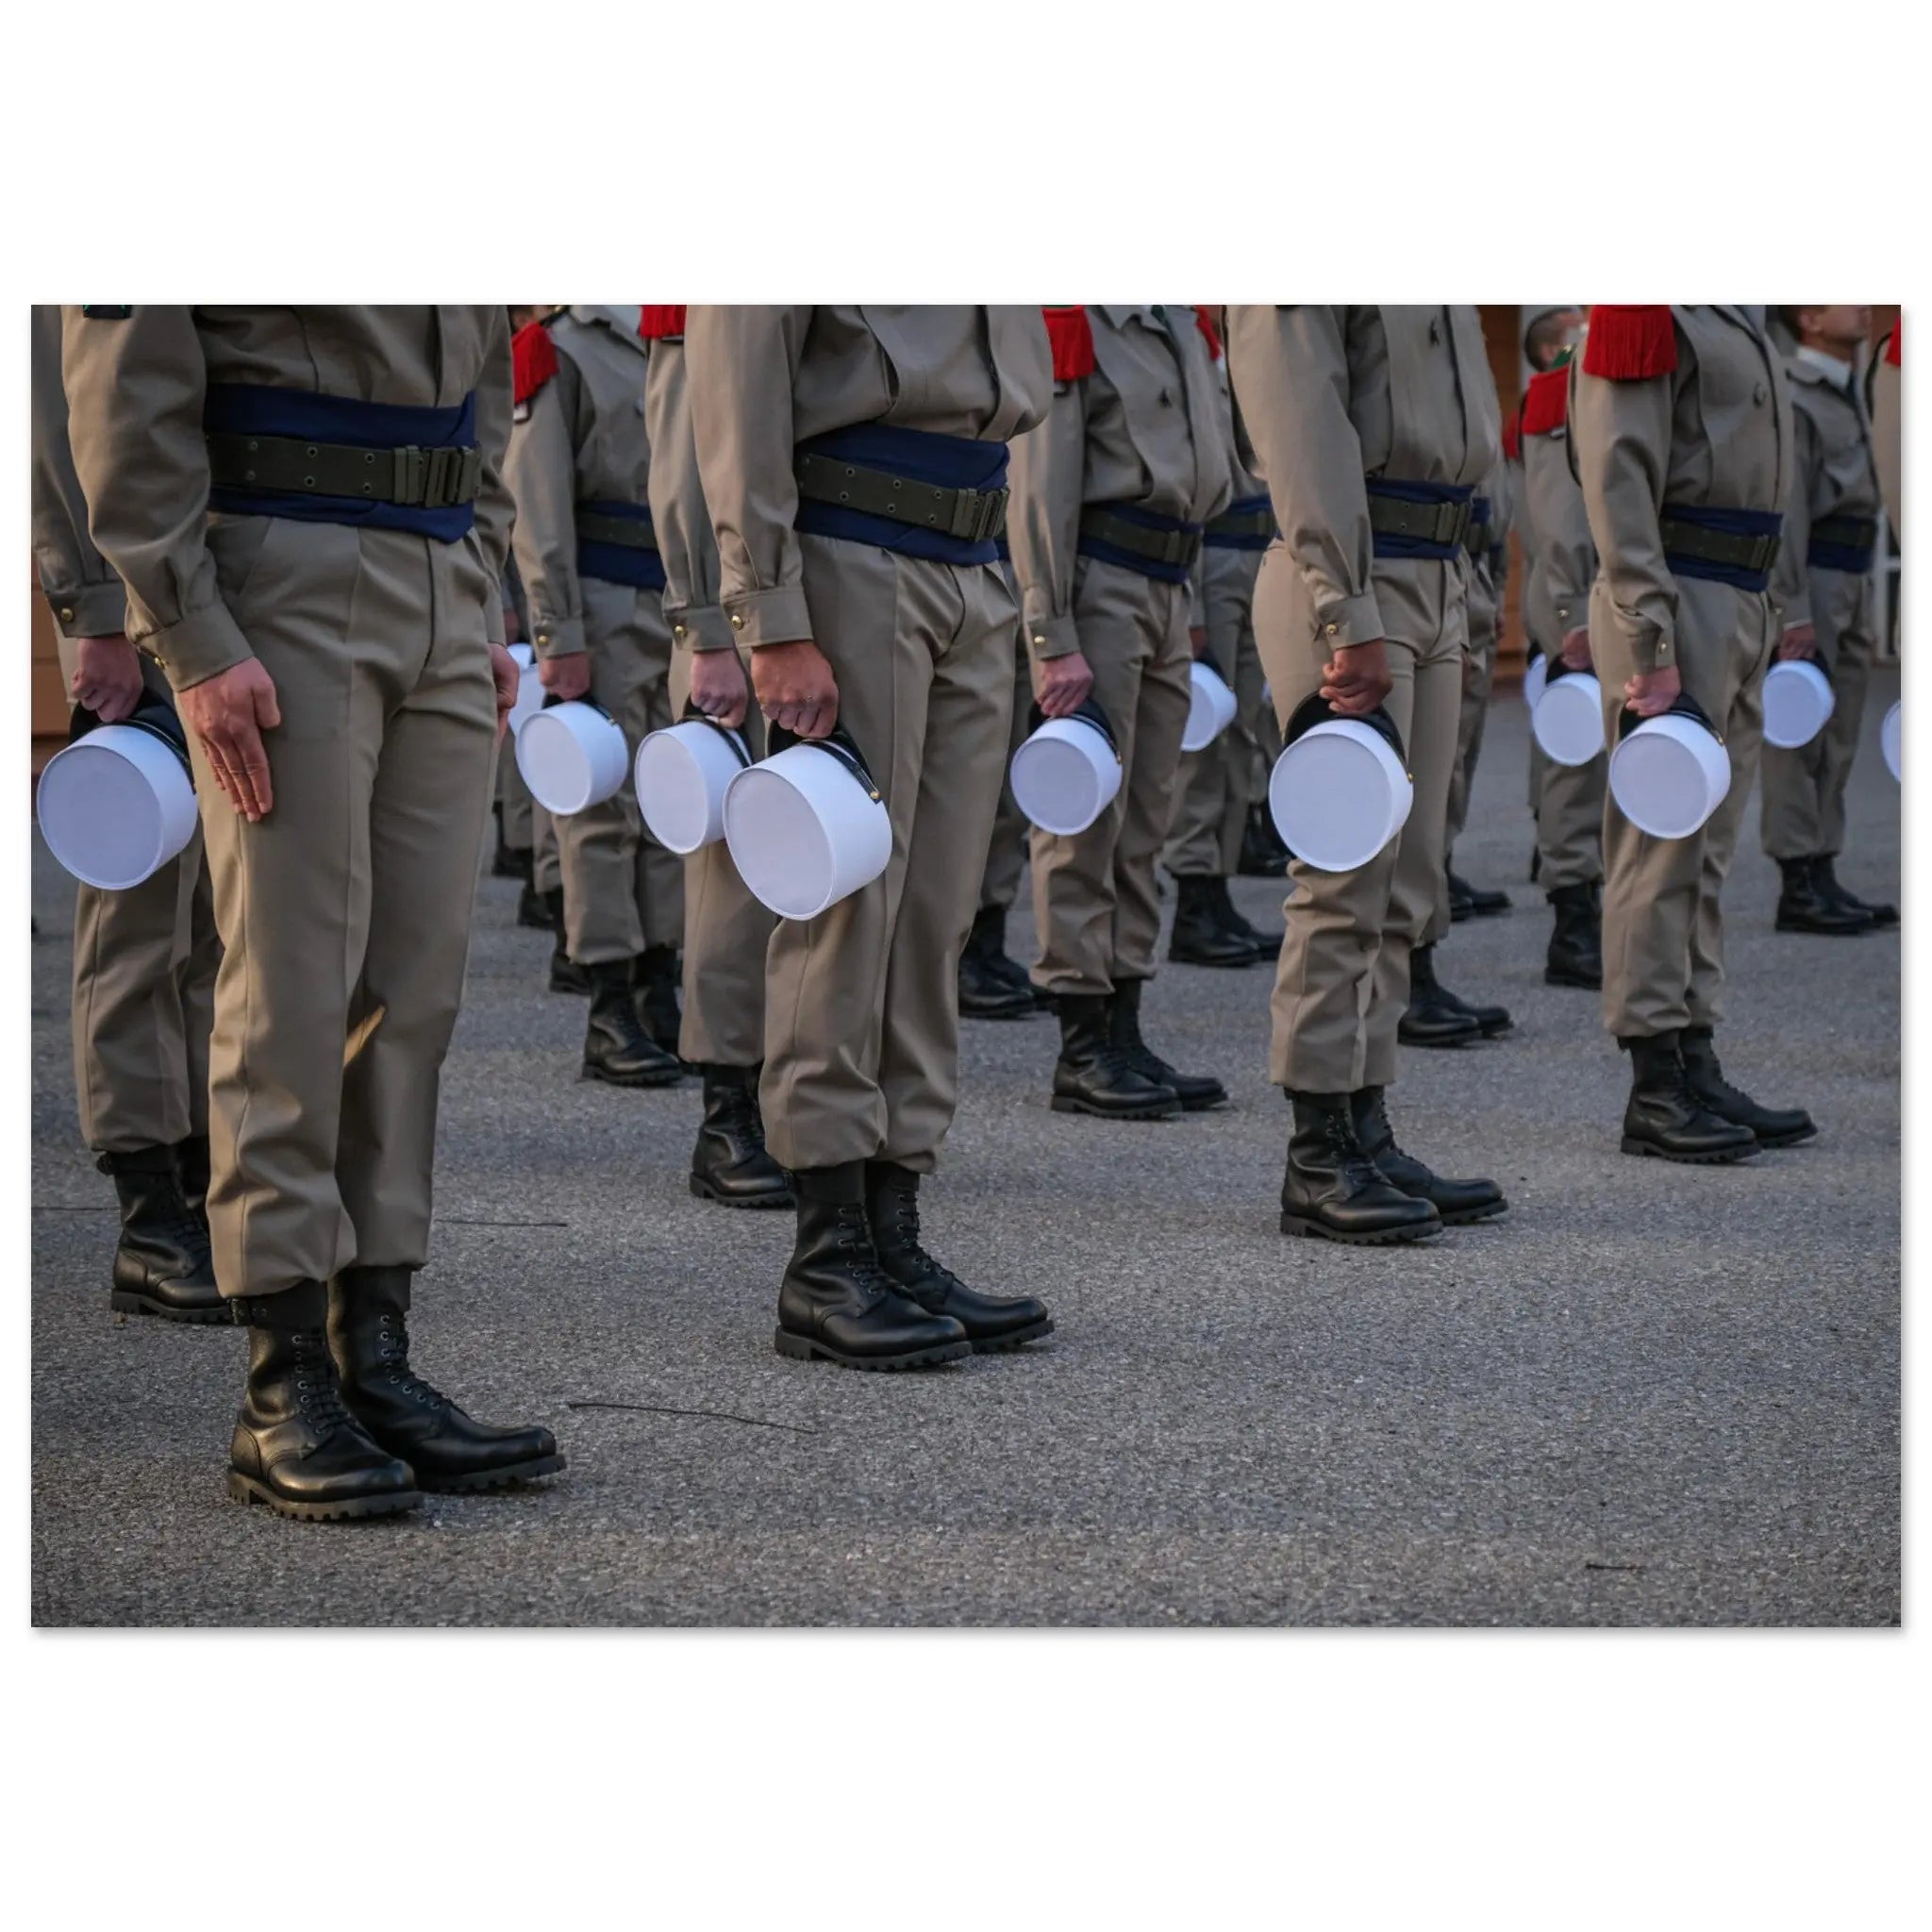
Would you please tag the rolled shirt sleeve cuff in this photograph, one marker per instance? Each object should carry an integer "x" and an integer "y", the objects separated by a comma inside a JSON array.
[
  {"x": 777, "y": 616},
  {"x": 558, "y": 637},
  {"x": 702, "y": 627},
  {"x": 494, "y": 629},
  {"x": 198, "y": 646},
  {"x": 1052, "y": 637},
  {"x": 1651, "y": 648},
  {"x": 92, "y": 610},
  {"x": 1350, "y": 621}
]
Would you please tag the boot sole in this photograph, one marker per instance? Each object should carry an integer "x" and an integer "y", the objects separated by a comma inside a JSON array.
[
  {"x": 668, "y": 1078},
  {"x": 1019, "y": 1010},
  {"x": 1159, "y": 1111},
  {"x": 803, "y": 1348},
  {"x": 491, "y": 1478},
  {"x": 1775, "y": 1140},
  {"x": 1457, "y": 1040},
  {"x": 1468, "y": 1217},
  {"x": 1000, "y": 1345},
  {"x": 1822, "y": 932},
  {"x": 1724, "y": 1157},
  {"x": 1206, "y": 1106},
  {"x": 246, "y": 1489},
  {"x": 1552, "y": 977},
  {"x": 126, "y": 1302},
  {"x": 1249, "y": 958},
  {"x": 778, "y": 1197},
  {"x": 1382, "y": 1238}
]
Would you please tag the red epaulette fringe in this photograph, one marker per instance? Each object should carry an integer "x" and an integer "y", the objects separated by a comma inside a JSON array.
[
  {"x": 533, "y": 360},
  {"x": 1072, "y": 336},
  {"x": 1629, "y": 344},
  {"x": 1546, "y": 403},
  {"x": 660, "y": 320}
]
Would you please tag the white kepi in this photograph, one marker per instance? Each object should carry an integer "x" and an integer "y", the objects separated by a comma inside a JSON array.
[
  {"x": 1067, "y": 772},
  {"x": 571, "y": 755},
  {"x": 1568, "y": 721},
  {"x": 118, "y": 803},
  {"x": 529, "y": 688},
  {"x": 1211, "y": 707},
  {"x": 1668, "y": 774},
  {"x": 682, "y": 776},
  {"x": 1797, "y": 702},
  {"x": 807, "y": 825},
  {"x": 1341, "y": 791},
  {"x": 1535, "y": 675},
  {"x": 1891, "y": 739}
]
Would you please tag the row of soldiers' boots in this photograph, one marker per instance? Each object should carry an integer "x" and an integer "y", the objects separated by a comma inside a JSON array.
[
  {"x": 1107, "y": 1068},
  {"x": 336, "y": 1424},
  {"x": 861, "y": 1290},
  {"x": 163, "y": 1264},
  {"x": 1209, "y": 930},
  {"x": 993, "y": 986},
  {"x": 1437, "y": 1017},
  {"x": 1682, "y": 1108},
  {"x": 1811, "y": 899}
]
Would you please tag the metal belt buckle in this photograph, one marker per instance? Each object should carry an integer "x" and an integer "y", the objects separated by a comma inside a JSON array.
[{"x": 437, "y": 480}]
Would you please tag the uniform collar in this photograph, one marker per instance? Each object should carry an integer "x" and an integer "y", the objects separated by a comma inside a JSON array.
[
  {"x": 1120, "y": 313},
  {"x": 620, "y": 318},
  {"x": 1826, "y": 368}
]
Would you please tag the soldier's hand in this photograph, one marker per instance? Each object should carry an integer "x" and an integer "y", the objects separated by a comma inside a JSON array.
[
  {"x": 1576, "y": 652},
  {"x": 506, "y": 673},
  {"x": 228, "y": 713},
  {"x": 1062, "y": 685},
  {"x": 795, "y": 687},
  {"x": 106, "y": 678},
  {"x": 1800, "y": 641},
  {"x": 1651, "y": 694},
  {"x": 718, "y": 687},
  {"x": 1197, "y": 637},
  {"x": 566, "y": 678},
  {"x": 1356, "y": 678}
]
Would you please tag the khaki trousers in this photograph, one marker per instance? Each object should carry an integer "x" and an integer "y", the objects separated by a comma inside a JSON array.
[
  {"x": 1804, "y": 804},
  {"x": 1214, "y": 788},
  {"x": 1663, "y": 925},
  {"x": 1006, "y": 853},
  {"x": 546, "y": 862},
  {"x": 862, "y": 1004},
  {"x": 727, "y": 932},
  {"x": 345, "y": 912},
  {"x": 1478, "y": 677},
  {"x": 513, "y": 798},
  {"x": 1342, "y": 983},
  {"x": 1568, "y": 819},
  {"x": 622, "y": 891},
  {"x": 144, "y": 964},
  {"x": 1095, "y": 897}
]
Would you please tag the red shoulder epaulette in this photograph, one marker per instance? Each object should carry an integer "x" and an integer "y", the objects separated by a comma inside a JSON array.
[
  {"x": 1204, "y": 320},
  {"x": 660, "y": 320},
  {"x": 1513, "y": 438},
  {"x": 1629, "y": 344},
  {"x": 1546, "y": 402},
  {"x": 1891, "y": 347},
  {"x": 1072, "y": 336},
  {"x": 533, "y": 360}
]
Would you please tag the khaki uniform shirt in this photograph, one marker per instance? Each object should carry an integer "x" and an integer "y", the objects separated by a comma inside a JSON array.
[
  {"x": 581, "y": 438},
  {"x": 692, "y": 596},
  {"x": 1556, "y": 592},
  {"x": 1330, "y": 397},
  {"x": 81, "y": 585},
  {"x": 1144, "y": 429},
  {"x": 136, "y": 388},
  {"x": 1833, "y": 475},
  {"x": 764, "y": 379},
  {"x": 1715, "y": 431}
]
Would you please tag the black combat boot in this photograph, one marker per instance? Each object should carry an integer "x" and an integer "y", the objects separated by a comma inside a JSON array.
[
  {"x": 992, "y": 1323},
  {"x": 1458, "y": 1201},
  {"x": 836, "y": 1303},
  {"x": 1333, "y": 1189},
  {"x": 1802, "y": 907},
  {"x": 191, "y": 1164},
  {"x": 616, "y": 1047},
  {"x": 368, "y": 1337},
  {"x": 1199, "y": 938},
  {"x": 1263, "y": 855},
  {"x": 533, "y": 909},
  {"x": 1489, "y": 1021},
  {"x": 1771, "y": 1126},
  {"x": 296, "y": 1447},
  {"x": 1434, "y": 1017},
  {"x": 730, "y": 1164},
  {"x": 162, "y": 1265},
  {"x": 1193, "y": 1091},
  {"x": 509, "y": 861},
  {"x": 1665, "y": 1118},
  {"x": 992, "y": 986},
  {"x": 566, "y": 976},
  {"x": 1266, "y": 942},
  {"x": 1484, "y": 902},
  {"x": 656, "y": 986},
  {"x": 1825, "y": 877},
  {"x": 1576, "y": 957},
  {"x": 1091, "y": 1075}
]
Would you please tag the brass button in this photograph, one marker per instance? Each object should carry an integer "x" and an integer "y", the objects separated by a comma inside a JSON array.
[
  {"x": 678, "y": 630},
  {"x": 542, "y": 637},
  {"x": 1040, "y": 641},
  {"x": 66, "y": 615},
  {"x": 737, "y": 622},
  {"x": 1331, "y": 631}
]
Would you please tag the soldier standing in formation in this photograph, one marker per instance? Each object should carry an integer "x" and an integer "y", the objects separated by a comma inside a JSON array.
[
  {"x": 1371, "y": 427},
  {"x": 1824, "y": 577},
  {"x": 305, "y": 507},
  {"x": 145, "y": 959},
  {"x": 1110, "y": 497},
  {"x": 1680, "y": 433},
  {"x": 859, "y": 613},
  {"x": 578, "y": 467}
]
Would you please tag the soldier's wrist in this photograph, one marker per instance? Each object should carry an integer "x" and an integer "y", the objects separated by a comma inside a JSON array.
[
  {"x": 702, "y": 627},
  {"x": 777, "y": 616},
  {"x": 1052, "y": 637},
  {"x": 558, "y": 637},
  {"x": 1348, "y": 623}
]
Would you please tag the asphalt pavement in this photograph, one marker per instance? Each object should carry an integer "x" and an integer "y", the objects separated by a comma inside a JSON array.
[{"x": 1651, "y": 1395}]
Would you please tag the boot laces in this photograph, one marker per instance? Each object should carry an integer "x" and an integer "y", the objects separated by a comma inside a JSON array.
[
  {"x": 1339, "y": 1131},
  {"x": 393, "y": 1352},
  {"x": 318, "y": 1393},
  {"x": 855, "y": 1245},
  {"x": 905, "y": 1235}
]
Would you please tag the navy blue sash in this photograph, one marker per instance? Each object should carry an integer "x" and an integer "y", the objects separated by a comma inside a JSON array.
[
  {"x": 1241, "y": 507},
  {"x": 618, "y": 563},
  {"x": 245, "y": 409},
  {"x": 1388, "y": 544},
  {"x": 948, "y": 462},
  {"x": 1144, "y": 566},
  {"x": 1819, "y": 554},
  {"x": 1729, "y": 522}
]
